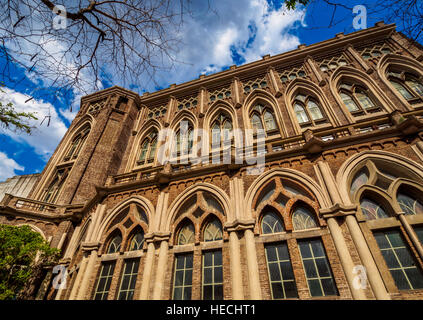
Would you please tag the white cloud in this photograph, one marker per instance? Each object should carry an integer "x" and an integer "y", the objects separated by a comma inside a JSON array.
[
  {"x": 250, "y": 28},
  {"x": 43, "y": 139},
  {"x": 8, "y": 167}
]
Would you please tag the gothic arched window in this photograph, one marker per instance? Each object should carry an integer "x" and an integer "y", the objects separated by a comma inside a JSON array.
[
  {"x": 184, "y": 140},
  {"x": 213, "y": 230},
  {"x": 115, "y": 243},
  {"x": 77, "y": 144},
  {"x": 262, "y": 118},
  {"x": 303, "y": 219},
  {"x": 186, "y": 234},
  {"x": 221, "y": 131},
  {"x": 137, "y": 241},
  {"x": 271, "y": 223},
  {"x": 408, "y": 85},
  {"x": 357, "y": 99},
  {"x": 308, "y": 111},
  {"x": 372, "y": 210},
  {"x": 148, "y": 148},
  {"x": 409, "y": 204}
]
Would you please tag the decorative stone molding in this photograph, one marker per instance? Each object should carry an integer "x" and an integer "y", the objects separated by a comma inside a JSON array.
[
  {"x": 406, "y": 126},
  {"x": 240, "y": 225},
  {"x": 338, "y": 210},
  {"x": 157, "y": 236},
  {"x": 313, "y": 144},
  {"x": 90, "y": 246}
]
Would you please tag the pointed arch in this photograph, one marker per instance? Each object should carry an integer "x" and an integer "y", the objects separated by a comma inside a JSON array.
[
  {"x": 211, "y": 228},
  {"x": 349, "y": 167},
  {"x": 296, "y": 176},
  {"x": 357, "y": 76},
  {"x": 218, "y": 193},
  {"x": 303, "y": 216},
  {"x": 260, "y": 96},
  {"x": 403, "y": 63},
  {"x": 182, "y": 115},
  {"x": 33, "y": 228},
  {"x": 143, "y": 202},
  {"x": 301, "y": 85}
]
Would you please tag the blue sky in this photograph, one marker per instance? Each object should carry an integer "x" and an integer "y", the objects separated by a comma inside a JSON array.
[{"x": 237, "y": 32}]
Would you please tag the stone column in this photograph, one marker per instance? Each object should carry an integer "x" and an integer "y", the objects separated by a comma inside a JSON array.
[
  {"x": 161, "y": 269},
  {"x": 412, "y": 234},
  {"x": 78, "y": 279},
  {"x": 92, "y": 249},
  {"x": 235, "y": 260},
  {"x": 149, "y": 260},
  {"x": 253, "y": 270},
  {"x": 366, "y": 257},
  {"x": 65, "y": 263},
  {"x": 339, "y": 209}
]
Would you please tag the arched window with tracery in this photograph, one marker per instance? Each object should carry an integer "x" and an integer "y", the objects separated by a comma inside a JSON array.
[
  {"x": 184, "y": 140},
  {"x": 283, "y": 200},
  {"x": 148, "y": 148},
  {"x": 137, "y": 241},
  {"x": 221, "y": 131},
  {"x": 203, "y": 212},
  {"x": 373, "y": 187},
  {"x": 358, "y": 99},
  {"x": 408, "y": 85},
  {"x": 263, "y": 118},
  {"x": 56, "y": 185},
  {"x": 308, "y": 111},
  {"x": 77, "y": 144}
]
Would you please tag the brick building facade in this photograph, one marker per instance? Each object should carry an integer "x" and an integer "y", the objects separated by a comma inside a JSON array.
[{"x": 337, "y": 212}]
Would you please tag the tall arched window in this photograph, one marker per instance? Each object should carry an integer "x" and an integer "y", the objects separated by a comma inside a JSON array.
[
  {"x": 184, "y": 140},
  {"x": 409, "y": 85},
  {"x": 77, "y": 144},
  {"x": 357, "y": 99},
  {"x": 221, "y": 131},
  {"x": 148, "y": 149},
  {"x": 308, "y": 111},
  {"x": 56, "y": 185},
  {"x": 262, "y": 118}
]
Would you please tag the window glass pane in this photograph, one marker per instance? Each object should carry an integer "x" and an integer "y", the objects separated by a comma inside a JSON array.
[
  {"x": 409, "y": 204},
  {"x": 269, "y": 121},
  {"x": 372, "y": 210},
  {"x": 144, "y": 150},
  {"x": 182, "y": 282},
  {"x": 401, "y": 89},
  {"x": 419, "y": 231},
  {"x": 314, "y": 110},
  {"x": 349, "y": 102},
  {"x": 114, "y": 245},
  {"x": 401, "y": 263},
  {"x": 360, "y": 179},
  {"x": 104, "y": 280},
  {"x": 213, "y": 230},
  {"x": 212, "y": 275},
  {"x": 271, "y": 223},
  {"x": 300, "y": 113},
  {"x": 303, "y": 219},
  {"x": 415, "y": 85},
  {"x": 137, "y": 241},
  {"x": 281, "y": 275},
  {"x": 317, "y": 269},
  {"x": 364, "y": 99},
  {"x": 256, "y": 122},
  {"x": 129, "y": 277},
  {"x": 186, "y": 234}
]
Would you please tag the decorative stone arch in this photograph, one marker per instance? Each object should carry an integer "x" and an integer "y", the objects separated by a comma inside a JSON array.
[
  {"x": 109, "y": 237},
  {"x": 265, "y": 209},
  {"x": 151, "y": 124},
  {"x": 184, "y": 114},
  {"x": 309, "y": 206},
  {"x": 400, "y": 183},
  {"x": 349, "y": 167},
  {"x": 294, "y": 175},
  {"x": 313, "y": 89},
  {"x": 143, "y": 202},
  {"x": 403, "y": 63},
  {"x": 357, "y": 76},
  {"x": 218, "y": 193},
  {"x": 213, "y": 111},
  {"x": 264, "y": 97},
  {"x": 377, "y": 195},
  {"x": 33, "y": 228}
]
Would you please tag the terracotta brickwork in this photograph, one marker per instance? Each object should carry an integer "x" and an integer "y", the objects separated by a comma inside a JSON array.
[{"x": 105, "y": 196}]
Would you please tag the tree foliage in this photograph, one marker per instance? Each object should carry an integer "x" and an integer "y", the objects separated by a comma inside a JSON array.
[
  {"x": 22, "y": 252},
  {"x": 13, "y": 120}
]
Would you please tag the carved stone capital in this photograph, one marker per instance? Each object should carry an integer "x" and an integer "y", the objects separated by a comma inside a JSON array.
[
  {"x": 157, "y": 237},
  {"x": 240, "y": 225},
  {"x": 338, "y": 210},
  {"x": 90, "y": 246}
]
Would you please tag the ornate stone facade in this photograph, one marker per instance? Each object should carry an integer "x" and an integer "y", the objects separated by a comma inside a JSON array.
[{"x": 336, "y": 214}]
